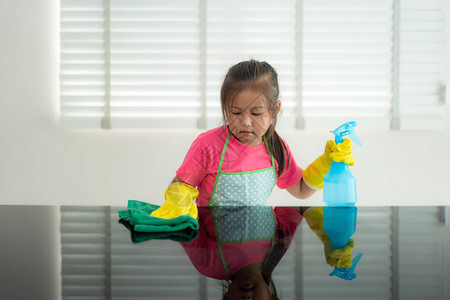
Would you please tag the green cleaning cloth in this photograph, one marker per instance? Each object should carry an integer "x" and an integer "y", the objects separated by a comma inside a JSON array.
[
  {"x": 183, "y": 236},
  {"x": 138, "y": 215}
]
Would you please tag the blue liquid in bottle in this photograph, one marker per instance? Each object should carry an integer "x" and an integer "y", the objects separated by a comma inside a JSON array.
[{"x": 339, "y": 186}]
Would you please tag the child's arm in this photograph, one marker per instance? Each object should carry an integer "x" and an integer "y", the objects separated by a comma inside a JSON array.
[
  {"x": 301, "y": 190},
  {"x": 178, "y": 179}
]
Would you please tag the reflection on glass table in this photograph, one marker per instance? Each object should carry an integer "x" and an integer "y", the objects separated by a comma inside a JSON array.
[{"x": 253, "y": 251}]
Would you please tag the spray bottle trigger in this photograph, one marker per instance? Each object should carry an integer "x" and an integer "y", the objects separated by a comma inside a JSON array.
[{"x": 345, "y": 273}]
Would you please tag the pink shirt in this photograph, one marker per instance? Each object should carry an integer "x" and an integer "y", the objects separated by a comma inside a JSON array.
[{"x": 200, "y": 165}]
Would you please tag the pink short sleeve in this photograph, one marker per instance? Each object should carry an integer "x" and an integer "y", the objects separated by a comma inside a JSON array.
[
  {"x": 292, "y": 172},
  {"x": 193, "y": 169}
]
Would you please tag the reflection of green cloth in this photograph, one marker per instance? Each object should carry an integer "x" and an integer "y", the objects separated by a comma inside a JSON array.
[
  {"x": 138, "y": 215},
  {"x": 183, "y": 236}
]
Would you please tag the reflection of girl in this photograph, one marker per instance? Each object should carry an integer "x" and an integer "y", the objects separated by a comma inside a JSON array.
[{"x": 245, "y": 254}]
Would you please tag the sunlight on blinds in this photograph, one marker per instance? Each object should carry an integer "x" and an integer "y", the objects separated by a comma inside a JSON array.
[
  {"x": 82, "y": 81},
  {"x": 155, "y": 75},
  {"x": 161, "y": 63},
  {"x": 421, "y": 64},
  {"x": 241, "y": 30},
  {"x": 347, "y": 57}
]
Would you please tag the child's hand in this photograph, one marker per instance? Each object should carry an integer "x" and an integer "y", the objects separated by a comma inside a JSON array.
[
  {"x": 339, "y": 257},
  {"x": 341, "y": 152},
  {"x": 179, "y": 201}
]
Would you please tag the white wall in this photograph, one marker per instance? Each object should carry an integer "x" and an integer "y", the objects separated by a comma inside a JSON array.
[{"x": 41, "y": 163}]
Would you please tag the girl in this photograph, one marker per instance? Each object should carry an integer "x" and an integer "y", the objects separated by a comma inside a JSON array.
[{"x": 240, "y": 162}]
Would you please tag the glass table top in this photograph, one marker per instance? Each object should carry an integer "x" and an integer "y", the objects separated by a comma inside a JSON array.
[
  {"x": 258, "y": 253},
  {"x": 95, "y": 252}
]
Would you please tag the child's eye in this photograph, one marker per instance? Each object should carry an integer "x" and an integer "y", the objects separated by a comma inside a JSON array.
[{"x": 236, "y": 113}]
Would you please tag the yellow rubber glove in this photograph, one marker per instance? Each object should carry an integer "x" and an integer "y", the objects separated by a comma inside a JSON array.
[
  {"x": 342, "y": 152},
  {"x": 179, "y": 201},
  {"x": 337, "y": 257},
  {"x": 342, "y": 257}
]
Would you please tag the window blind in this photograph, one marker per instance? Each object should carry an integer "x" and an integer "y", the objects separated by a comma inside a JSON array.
[
  {"x": 347, "y": 62},
  {"x": 160, "y": 64},
  {"x": 241, "y": 30},
  {"x": 155, "y": 58},
  {"x": 421, "y": 64},
  {"x": 82, "y": 63}
]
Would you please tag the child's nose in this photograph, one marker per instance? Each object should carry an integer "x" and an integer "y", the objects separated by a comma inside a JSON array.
[{"x": 245, "y": 120}]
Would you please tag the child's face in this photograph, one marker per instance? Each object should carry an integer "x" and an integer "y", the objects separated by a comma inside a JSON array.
[{"x": 249, "y": 116}]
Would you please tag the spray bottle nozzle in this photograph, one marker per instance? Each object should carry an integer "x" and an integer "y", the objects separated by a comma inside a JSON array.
[
  {"x": 345, "y": 273},
  {"x": 344, "y": 130}
]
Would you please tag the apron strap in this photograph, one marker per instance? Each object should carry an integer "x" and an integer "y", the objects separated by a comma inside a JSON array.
[
  {"x": 270, "y": 153},
  {"x": 223, "y": 151}
]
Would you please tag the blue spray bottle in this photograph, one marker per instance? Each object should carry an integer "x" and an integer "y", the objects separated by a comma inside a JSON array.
[{"x": 339, "y": 195}]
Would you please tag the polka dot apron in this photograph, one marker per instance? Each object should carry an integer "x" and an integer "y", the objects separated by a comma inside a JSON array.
[
  {"x": 238, "y": 204},
  {"x": 251, "y": 188}
]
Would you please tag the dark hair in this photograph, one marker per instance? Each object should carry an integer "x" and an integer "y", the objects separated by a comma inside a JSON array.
[
  {"x": 267, "y": 278},
  {"x": 262, "y": 76},
  {"x": 271, "y": 261}
]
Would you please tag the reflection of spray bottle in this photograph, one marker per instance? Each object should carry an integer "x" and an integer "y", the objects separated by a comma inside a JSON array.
[{"x": 339, "y": 195}]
